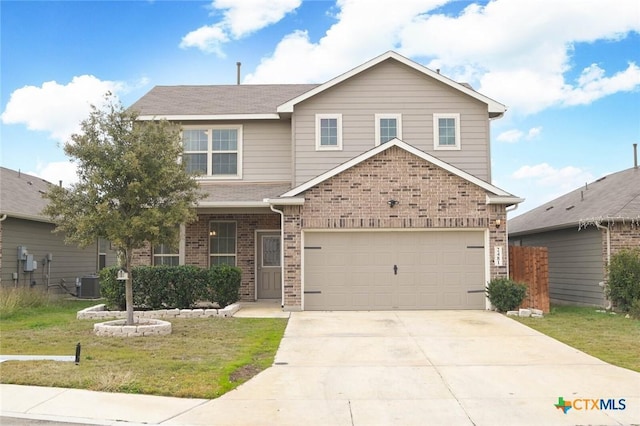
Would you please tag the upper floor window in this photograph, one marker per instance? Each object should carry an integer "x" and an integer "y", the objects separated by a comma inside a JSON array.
[
  {"x": 215, "y": 151},
  {"x": 446, "y": 131},
  {"x": 388, "y": 126},
  {"x": 328, "y": 131}
]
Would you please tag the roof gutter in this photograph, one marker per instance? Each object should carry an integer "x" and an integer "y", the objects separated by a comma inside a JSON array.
[
  {"x": 509, "y": 200},
  {"x": 285, "y": 201},
  {"x": 194, "y": 117}
]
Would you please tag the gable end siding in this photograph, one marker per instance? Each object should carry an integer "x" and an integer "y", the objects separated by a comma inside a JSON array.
[{"x": 391, "y": 87}]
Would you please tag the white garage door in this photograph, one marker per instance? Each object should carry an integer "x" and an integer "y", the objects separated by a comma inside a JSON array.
[{"x": 394, "y": 270}]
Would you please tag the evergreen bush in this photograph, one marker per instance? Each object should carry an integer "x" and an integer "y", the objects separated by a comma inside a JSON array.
[{"x": 506, "y": 294}]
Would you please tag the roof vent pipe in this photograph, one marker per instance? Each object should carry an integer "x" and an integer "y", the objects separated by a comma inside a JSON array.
[
  {"x": 238, "y": 65},
  {"x": 635, "y": 155}
]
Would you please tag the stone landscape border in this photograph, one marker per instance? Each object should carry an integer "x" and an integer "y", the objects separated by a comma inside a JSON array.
[
  {"x": 100, "y": 312},
  {"x": 141, "y": 328}
]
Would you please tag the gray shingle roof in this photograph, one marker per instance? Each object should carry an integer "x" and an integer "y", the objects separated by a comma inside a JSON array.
[
  {"x": 615, "y": 197},
  {"x": 21, "y": 195},
  {"x": 241, "y": 192},
  {"x": 217, "y": 100}
]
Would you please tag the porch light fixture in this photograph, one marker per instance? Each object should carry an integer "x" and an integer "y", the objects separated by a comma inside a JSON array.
[
  {"x": 393, "y": 203},
  {"x": 212, "y": 233},
  {"x": 498, "y": 223}
]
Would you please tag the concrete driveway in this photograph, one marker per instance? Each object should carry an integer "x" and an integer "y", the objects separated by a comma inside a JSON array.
[{"x": 423, "y": 367}]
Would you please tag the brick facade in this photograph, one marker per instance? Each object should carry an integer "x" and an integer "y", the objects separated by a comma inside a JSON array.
[
  {"x": 197, "y": 244},
  {"x": 623, "y": 235},
  {"x": 429, "y": 197}
]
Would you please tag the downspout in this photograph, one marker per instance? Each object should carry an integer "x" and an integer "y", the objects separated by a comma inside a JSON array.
[
  {"x": 506, "y": 230},
  {"x": 603, "y": 283},
  {"x": 273, "y": 209}
]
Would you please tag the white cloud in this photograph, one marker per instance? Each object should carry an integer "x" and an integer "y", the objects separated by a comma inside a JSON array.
[
  {"x": 55, "y": 172},
  {"x": 561, "y": 180},
  {"x": 534, "y": 132},
  {"x": 240, "y": 18},
  {"x": 353, "y": 39},
  {"x": 510, "y": 136},
  {"x": 55, "y": 108},
  {"x": 514, "y": 51},
  {"x": 542, "y": 182},
  {"x": 515, "y": 135}
]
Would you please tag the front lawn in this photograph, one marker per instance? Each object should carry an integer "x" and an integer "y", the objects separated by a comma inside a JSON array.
[
  {"x": 611, "y": 338},
  {"x": 202, "y": 358}
]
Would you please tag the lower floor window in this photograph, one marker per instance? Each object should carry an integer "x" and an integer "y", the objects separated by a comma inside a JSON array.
[
  {"x": 165, "y": 254},
  {"x": 222, "y": 243}
]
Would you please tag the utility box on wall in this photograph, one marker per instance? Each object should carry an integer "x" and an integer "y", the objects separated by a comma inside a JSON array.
[{"x": 29, "y": 264}]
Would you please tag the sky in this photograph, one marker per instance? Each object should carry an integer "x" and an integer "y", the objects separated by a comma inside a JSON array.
[{"x": 568, "y": 71}]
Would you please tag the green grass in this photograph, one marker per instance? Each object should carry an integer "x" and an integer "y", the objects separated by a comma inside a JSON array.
[
  {"x": 611, "y": 338},
  {"x": 202, "y": 358}
]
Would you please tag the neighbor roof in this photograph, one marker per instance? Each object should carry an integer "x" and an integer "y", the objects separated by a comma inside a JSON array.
[
  {"x": 613, "y": 198},
  {"x": 21, "y": 195},
  {"x": 211, "y": 102}
]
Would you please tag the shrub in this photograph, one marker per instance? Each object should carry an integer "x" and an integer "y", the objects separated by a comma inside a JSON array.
[
  {"x": 623, "y": 284},
  {"x": 506, "y": 294},
  {"x": 224, "y": 282},
  {"x": 111, "y": 289},
  {"x": 161, "y": 287}
]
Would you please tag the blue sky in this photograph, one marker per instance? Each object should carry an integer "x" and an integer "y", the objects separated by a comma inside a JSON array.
[{"x": 569, "y": 71}]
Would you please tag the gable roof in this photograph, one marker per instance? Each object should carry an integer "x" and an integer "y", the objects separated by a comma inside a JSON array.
[
  {"x": 615, "y": 197},
  {"x": 495, "y": 108},
  {"x": 21, "y": 195},
  {"x": 496, "y": 196},
  {"x": 216, "y": 102},
  {"x": 267, "y": 101}
]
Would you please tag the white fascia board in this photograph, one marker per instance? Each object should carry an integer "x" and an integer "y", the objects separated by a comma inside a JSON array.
[
  {"x": 494, "y": 107},
  {"x": 232, "y": 204},
  {"x": 285, "y": 201},
  {"x": 31, "y": 217},
  {"x": 511, "y": 199},
  {"x": 210, "y": 117},
  {"x": 413, "y": 150}
]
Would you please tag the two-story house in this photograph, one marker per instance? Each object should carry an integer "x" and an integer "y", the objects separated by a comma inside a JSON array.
[{"x": 371, "y": 191}]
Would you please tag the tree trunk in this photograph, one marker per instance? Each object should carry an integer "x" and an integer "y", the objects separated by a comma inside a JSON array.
[{"x": 129, "y": 287}]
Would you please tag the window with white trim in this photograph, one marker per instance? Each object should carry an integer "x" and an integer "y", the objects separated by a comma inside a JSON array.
[
  {"x": 166, "y": 254},
  {"x": 388, "y": 126},
  {"x": 446, "y": 131},
  {"x": 214, "y": 151},
  {"x": 328, "y": 132},
  {"x": 222, "y": 243}
]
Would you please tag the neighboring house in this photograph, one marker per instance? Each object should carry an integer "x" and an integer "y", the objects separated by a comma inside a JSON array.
[
  {"x": 31, "y": 255},
  {"x": 370, "y": 191},
  {"x": 581, "y": 230}
]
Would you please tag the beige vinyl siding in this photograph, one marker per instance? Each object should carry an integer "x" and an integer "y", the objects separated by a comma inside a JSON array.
[
  {"x": 575, "y": 264},
  {"x": 267, "y": 151},
  {"x": 266, "y": 148},
  {"x": 69, "y": 261},
  {"x": 392, "y": 88}
]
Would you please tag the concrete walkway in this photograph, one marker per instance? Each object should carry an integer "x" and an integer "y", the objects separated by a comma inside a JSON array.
[{"x": 381, "y": 368}]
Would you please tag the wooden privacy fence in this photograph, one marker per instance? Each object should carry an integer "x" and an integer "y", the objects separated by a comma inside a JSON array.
[{"x": 530, "y": 265}]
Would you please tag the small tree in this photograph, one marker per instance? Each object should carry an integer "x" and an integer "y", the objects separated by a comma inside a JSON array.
[{"x": 132, "y": 189}]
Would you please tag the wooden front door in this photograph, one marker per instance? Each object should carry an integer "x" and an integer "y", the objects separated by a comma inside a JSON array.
[{"x": 269, "y": 269}]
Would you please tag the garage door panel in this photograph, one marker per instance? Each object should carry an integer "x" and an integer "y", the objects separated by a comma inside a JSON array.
[{"x": 354, "y": 270}]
